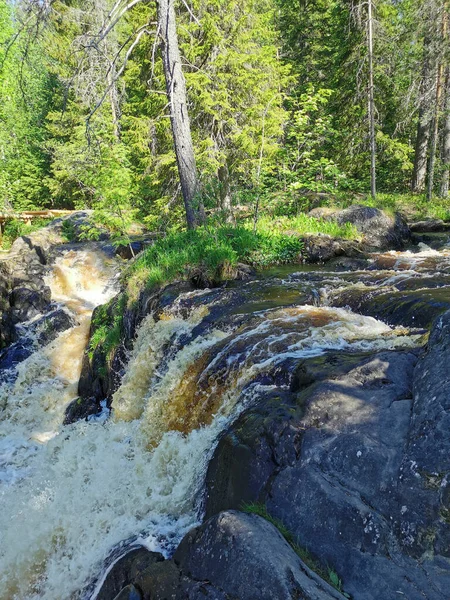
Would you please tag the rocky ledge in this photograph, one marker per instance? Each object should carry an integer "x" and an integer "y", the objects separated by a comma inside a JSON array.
[{"x": 354, "y": 460}]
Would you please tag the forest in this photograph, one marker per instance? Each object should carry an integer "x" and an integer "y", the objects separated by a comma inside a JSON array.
[
  {"x": 239, "y": 109},
  {"x": 224, "y": 299}
]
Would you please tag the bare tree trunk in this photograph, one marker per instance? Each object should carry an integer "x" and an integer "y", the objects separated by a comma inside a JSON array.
[
  {"x": 436, "y": 114},
  {"x": 110, "y": 47},
  {"x": 424, "y": 122},
  {"x": 373, "y": 147},
  {"x": 444, "y": 190},
  {"x": 225, "y": 192},
  {"x": 179, "y": 117},
  {"x": 115, "y": 103}
]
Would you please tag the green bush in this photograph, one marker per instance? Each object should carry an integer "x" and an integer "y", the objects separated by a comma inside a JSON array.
[{"x": 14, "y": 228}]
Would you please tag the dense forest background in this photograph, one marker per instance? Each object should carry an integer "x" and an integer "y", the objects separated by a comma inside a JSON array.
[{"x": 289, "y": 101}]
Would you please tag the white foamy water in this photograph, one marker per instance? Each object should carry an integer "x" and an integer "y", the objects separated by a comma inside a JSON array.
[{"x": 70, "y": 495}]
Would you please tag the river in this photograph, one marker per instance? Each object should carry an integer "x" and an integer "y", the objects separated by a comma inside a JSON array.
[{"x": 74, "y": 497}]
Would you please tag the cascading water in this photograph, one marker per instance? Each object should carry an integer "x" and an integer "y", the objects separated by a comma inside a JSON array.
[{"x": 72, "y": 494}]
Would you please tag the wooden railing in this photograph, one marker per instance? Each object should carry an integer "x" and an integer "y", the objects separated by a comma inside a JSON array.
[{"x": 29, "y": 215}]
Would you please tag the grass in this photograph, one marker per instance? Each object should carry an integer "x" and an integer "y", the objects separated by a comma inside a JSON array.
[
  {"x": 210, "y": 255},
  {"x": 15, "y": 228},
  {"x": 415, "y": 207},
  {"x": 107, "y": 327},
  {"x": 303, "y": 224},
  {"x": 326, "y": 573}
]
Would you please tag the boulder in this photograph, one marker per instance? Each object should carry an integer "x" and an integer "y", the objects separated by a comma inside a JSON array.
[
  {"x": 379, "y": 229},
  {"x": 320, "y": 248},
  {"x": 128, "y": 593},
  {"x": 357, "y": 470},
  {"x": 80, "y": 409},
  {"x": 429, "y": 226},
  {"x": 124, "y": 572},
  {"x": 234, "y": 556}
]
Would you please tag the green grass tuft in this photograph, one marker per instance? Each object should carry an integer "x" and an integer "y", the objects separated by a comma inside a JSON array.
[
  {"x": 15, "y": 228},
  {"x": 107, "y": 327},
  {"x": 211, "y": 254}
]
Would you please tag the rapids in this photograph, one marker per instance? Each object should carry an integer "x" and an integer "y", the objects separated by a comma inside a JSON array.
[{"x": 76, "y": 497}]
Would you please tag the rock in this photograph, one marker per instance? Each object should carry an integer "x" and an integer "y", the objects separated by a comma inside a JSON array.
[
  {"x": 129, "y": 251},
  {"x": 356, "y": 470},
  {"x": 429, "y": 226},
  {"x": 425, "y": 477},
  {"x": 234, "y": 556},
  {"x": 411, "y": 308},
  {"x": 379, "y": 229},
  {"x": 28, "y": 304},
  {"x": 266, "y": 438},
  {"x": 346, "y": 263},
  {"x": 246, "y": 557},
  {"x": 81, "y": 408},
  {"x": 128, "y": 593},
  {"x": 321, "y": 248},
  {"x": 118, "y": 582}
]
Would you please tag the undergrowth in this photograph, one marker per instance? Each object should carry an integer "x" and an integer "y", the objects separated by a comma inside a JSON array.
[
  {"x": 209, "y": 254},
  {"x": 212, "y": 254},
  {"x": 15, "y": 228},
  {"x": 326, "y": 573},
  {"x": 413, "y": 206},
  {"x": 107, "y": 327}
]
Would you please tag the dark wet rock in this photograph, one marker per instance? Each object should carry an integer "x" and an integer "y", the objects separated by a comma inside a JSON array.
[
  {"x": 47, "y": 328},
  {"x": 128, "y": 593},
  {"x": 129, "y": 251},
  {"x": 424, "y": 529},
  {"x": 267, "y": 437},
  {"x": 379, "y": 229},
  {"x": 357, "y": 471},
  {"x": 28, "y": 303},
  {"x": 12, "y": 356},
  {"x": 410, "y": 308},
  {"x": 125, "y": 572},
  {"x": 247, "y": 558},
  {"x": 429, "y": 226},
  {"x": 347, "y": 263},
  {"x": 234, "y": 556},
  {"x": 165, "y": 580},
  {"x": 23, "y": 292},
  {"x": 39, "y": 333},
  {"x": 80, "y": 409}
]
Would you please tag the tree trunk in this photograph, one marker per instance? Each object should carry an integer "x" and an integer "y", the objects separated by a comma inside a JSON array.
[
  {"x": 179, "y": 117},
  {"x": 371, "y": 102},
  {"x": 115, "y": 104},
  {"x": 225, "y": 192},
  {"x": 444, "y": 189},
  {"x": 424, "y": 123},
  {"x": 436, "y": 112}
]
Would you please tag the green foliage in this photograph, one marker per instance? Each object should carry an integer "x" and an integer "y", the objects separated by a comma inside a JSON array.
[
  {"x": 211, "y": 254},
  {"x": 106, "y": 328},
  {"x": 328, "y": 574},
  {"x": 14, "y": 228},
  {"x": 414, "y": 207},
  {"x": 277, "y": 94},
  {"x": 304, "y": 224}
]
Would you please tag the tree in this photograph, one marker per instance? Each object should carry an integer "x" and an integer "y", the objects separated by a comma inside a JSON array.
[
  {"x": 371, "y": 101},
  {"x": 179, "y": 113}
]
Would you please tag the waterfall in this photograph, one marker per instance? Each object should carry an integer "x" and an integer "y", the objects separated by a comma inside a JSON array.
[{"x": 72, "y": 494}]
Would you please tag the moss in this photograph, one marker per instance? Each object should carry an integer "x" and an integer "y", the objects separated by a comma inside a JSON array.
[
  {"x": 106, "y": 329},
  {"x": 326, "y": 573}
]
